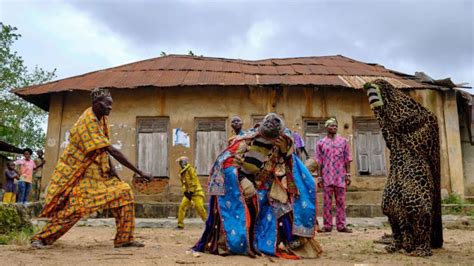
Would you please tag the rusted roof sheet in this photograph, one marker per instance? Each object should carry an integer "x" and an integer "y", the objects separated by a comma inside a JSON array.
[
  {"x": 9, "y": 148},
  {"x": 182, "y": 70}
]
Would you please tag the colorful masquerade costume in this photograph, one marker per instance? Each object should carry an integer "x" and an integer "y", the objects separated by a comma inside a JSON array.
[
  {"x": 279, "y": 220},
  {"x": 81, "y": 184}
]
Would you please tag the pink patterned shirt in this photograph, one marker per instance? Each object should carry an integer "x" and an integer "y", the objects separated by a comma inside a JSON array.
[
  {"x": 26, "y": 169},
  {"x": 332, "y": 155}
]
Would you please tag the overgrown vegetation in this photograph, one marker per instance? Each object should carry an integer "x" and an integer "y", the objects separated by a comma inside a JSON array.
[
  {"x": 15, "y": 226},
  {"x": 457, "y": 205},
  {"x": 453, "y": 198}
]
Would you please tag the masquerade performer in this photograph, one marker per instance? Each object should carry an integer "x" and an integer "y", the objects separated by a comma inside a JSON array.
[{"x": 262, "y": 197}]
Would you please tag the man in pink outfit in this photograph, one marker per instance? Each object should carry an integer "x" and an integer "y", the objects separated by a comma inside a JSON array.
[{"x": 334, "y": 157}]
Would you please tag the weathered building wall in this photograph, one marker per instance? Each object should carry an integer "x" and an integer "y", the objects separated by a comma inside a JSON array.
[
  {"x": 467, "y": 158},
  {"x": 468, "y": 167},
  {"x": 443, "y": 104},
  {"x": 183, "y": 105}
]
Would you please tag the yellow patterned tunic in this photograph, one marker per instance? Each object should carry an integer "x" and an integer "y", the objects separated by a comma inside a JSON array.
[{"x": 81, "y": 178}]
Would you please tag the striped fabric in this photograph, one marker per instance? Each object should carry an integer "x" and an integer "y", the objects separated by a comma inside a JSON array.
[{"x": 255, "y": 156}]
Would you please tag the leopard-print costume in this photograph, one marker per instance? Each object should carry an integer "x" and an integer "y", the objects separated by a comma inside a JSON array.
[{"x": 412, "y": 194}]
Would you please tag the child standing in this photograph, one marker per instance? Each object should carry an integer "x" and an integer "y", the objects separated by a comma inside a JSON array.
[
  {"x": 37, "y": 176},
  {"x": 27, "y": 166},
  {"x": 10, "y": 186}
]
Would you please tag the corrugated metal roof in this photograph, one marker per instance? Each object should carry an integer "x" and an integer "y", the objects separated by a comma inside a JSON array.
[
  {"x": 182, "y": 70},
  {"x": 9, "y": 148}
]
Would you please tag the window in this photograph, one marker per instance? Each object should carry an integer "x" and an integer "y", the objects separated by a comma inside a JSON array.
[
  {"x": 370, "y": 147},
  {"x": 314, "y": 130},
  {"x": 153, "y": 145},
  {"x": 211, "y": 139},
  {"x": 256, "y": 119}
]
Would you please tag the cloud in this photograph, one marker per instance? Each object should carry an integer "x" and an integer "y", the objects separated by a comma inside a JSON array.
[
  {"x": 408, "y": 36},
  {"x": 55, "y": 35}
]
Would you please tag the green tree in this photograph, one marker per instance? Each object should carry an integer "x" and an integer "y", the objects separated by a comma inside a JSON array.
[{"x": 21, "y": 123}]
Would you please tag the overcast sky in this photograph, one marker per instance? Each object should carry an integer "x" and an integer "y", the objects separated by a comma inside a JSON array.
[{"x": 76, "y": 37}]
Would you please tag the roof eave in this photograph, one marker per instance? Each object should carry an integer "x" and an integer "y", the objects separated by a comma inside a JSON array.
[{"x": 40, "y": 100}]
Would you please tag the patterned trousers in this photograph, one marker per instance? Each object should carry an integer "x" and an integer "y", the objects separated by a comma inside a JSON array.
[
  {"x": 340, "y": 195},
  {"x": 198, "y": 204},
  {"x": 65, "y": 219}
]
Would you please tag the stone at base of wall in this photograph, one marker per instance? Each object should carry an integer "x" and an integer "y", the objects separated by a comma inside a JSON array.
[
  {"x": 170, "y": 210},
  {"x": 358, "y": 223}
]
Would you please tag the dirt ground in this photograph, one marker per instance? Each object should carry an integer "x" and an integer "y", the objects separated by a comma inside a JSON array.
[{"x": 93, "y": 246}]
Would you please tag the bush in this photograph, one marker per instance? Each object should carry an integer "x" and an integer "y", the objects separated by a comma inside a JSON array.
[
  {"x": 453, "y": 198},
  {"x": 21, "y": 237},
  {"x": 15, "y": 225},
  {"x": 459, "y": 207}
]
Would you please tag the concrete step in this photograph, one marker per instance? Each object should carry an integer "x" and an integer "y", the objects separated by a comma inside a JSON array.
[
  {"x": 359, "y": 223},
  {"x": 358, "y": 197},
  {"x": 352, "y": 197},
  {"x": 170, "y": 209}
]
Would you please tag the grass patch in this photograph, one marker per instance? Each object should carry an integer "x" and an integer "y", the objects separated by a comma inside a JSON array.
[
  {"x": 15, "y": 225},
  {"x": 20, "y": 237},
  {"x": 457, "y": 205},
  {"x": 453, "y": 198}
]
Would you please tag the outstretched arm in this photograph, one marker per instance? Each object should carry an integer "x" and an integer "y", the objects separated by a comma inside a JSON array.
[{"x": 120, "y": 157}]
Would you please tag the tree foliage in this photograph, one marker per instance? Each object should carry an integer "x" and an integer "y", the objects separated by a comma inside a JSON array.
[{"x": 21, "y": 123}]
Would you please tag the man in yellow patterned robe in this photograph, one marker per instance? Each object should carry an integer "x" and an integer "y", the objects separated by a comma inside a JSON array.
[{"x": 84, "y": 180}]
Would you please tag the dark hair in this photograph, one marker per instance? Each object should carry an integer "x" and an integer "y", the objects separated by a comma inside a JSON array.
[{"x": 28, "y": 150}]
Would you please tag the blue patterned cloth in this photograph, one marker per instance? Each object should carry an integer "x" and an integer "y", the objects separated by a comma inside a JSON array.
[{"x": 230, "y": 209}]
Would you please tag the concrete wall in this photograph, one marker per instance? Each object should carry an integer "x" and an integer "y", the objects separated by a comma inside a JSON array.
[
  {"x": 444, "y": 106},
  {"x": 183, "y": 105},
  {"x": 467, "y": 159}
]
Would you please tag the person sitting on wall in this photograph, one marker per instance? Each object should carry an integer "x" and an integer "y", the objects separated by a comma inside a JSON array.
[
  {"x": 85, "y": 181},
  {"x": 192, "y": 191}
]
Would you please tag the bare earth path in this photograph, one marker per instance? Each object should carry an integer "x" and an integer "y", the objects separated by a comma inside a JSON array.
[{"x": 164, "y": 246}]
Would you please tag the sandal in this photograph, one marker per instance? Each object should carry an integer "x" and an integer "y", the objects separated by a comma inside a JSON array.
[
  {"x": 345, "y": 230},
  {"x": 324, "y": 230},
  {"x": 38, "y": 244},
  {"x": 133, "y": 244}
]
